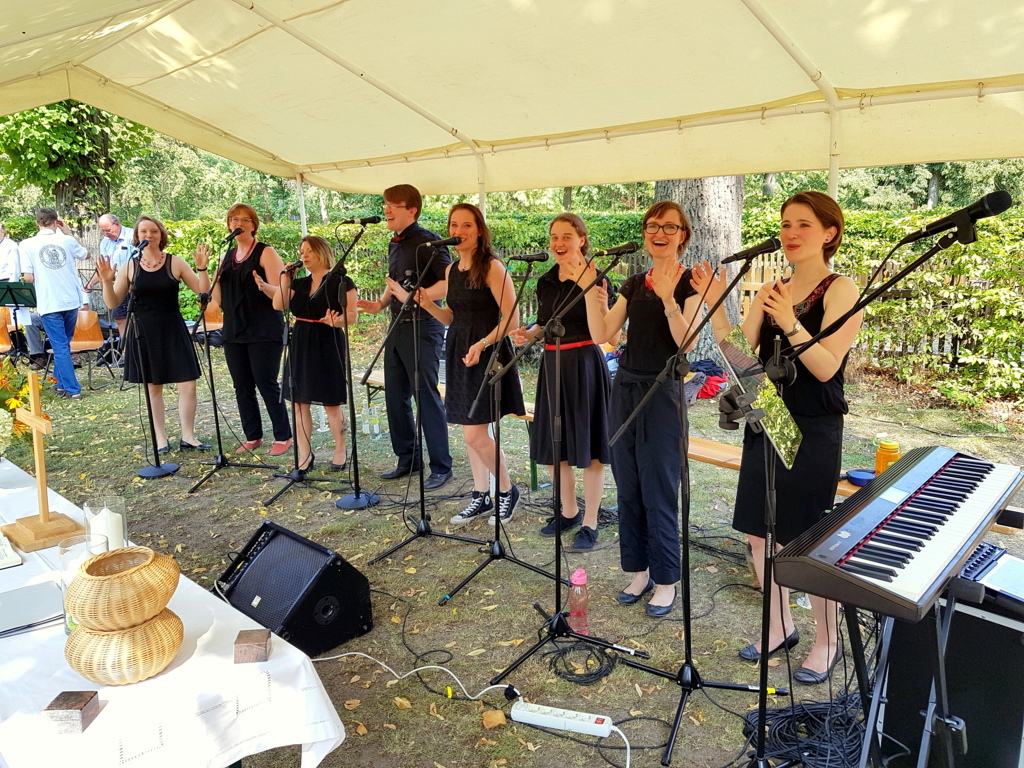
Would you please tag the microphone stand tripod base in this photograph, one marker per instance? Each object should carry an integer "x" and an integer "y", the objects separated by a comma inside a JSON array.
[
  {"x": 423, "y": 530},
  {"x": 298, "y": 477},
  {"x": 163, "y": 470},
  {"x": 357, "y": 501}
]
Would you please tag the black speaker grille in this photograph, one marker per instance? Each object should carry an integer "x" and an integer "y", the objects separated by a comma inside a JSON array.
[{"x": 267, "y": 593}]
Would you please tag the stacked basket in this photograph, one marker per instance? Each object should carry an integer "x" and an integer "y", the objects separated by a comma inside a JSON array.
[{"x": 125, "y": 632}]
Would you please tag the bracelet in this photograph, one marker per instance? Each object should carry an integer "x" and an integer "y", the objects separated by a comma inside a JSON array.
[
  {"x": 675, "y": 312},
  {"x": 486, "y": 342},
  {"x": 201, "y": 270}
]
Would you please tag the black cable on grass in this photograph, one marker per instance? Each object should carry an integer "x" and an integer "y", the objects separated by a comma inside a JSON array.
[
  {"x": 824, "y": 734},
  {"x": 597, "y": 661}
]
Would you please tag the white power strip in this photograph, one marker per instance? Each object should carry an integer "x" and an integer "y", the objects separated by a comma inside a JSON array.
[{"x": 561, "y": 719}]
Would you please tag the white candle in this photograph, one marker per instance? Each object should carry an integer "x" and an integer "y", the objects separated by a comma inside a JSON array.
[{"x": 110, "y": 524}]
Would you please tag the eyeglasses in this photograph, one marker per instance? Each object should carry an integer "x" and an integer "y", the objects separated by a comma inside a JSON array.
[
  {"x": 670, "y": 229},
  {"x": 239, "y": 218},
  {"x": 394, "y": 205}
]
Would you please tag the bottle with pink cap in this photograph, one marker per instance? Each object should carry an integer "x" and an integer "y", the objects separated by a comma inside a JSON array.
[{"x": 578, "y": 602}]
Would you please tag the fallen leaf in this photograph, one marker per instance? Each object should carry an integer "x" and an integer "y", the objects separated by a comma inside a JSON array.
[
  {"x": 639, "y": 691},
  {"x": 636, "y": 712},
  {"x": 402, "y": 703},
  {"x": 694, "y": 720},
  {"x": 500, "y": 761},
  {"x": 352, "y": 704},
  {"x": 179, "y": 547},
  {"x": 477, "y": 652},
  {"x": 493, "y": 718},
  {"x": 488, "y": 592},
  {"x": 452, "y": 644},
  {"x": 355, "y": 679},
  {"x": 391, "y": 726},
  {"x": 389, "y": 683},
  {"x": 396, "y": 619},
  {"x": 361, "y": 729},
  {"x": 433, "y": 711},
  {"x": 408, "y": 557},
  {"x": 774, "y": 662},
  {"x": 482, "y": 742},
  {"x": 488, "y": 607},
  {"x": 410, "y": 570},
  {"x": 437, "y": 765},
  {"x": 83, "y": 476}
]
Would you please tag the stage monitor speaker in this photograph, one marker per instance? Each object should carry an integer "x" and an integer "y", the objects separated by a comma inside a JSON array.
[
  {"x": 301, "y": 591},
  {"x": 984, "y": 670}
]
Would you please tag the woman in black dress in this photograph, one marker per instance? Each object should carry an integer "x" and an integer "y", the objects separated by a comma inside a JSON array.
[
  {"x": 317, "y": 346},
  {"x": 794, "y": 309},
  {"x": 253, "y": 329},
  {"x": 661, "y": 306},
  {"x": 585, "y": 390},
  {"x": 480, "y": 298},
  {"x": 162, "y": 353}
]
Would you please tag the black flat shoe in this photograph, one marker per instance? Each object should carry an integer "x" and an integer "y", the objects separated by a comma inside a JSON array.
[
  {"x": 339, "y": 467},
  {"x": 397, "y": 472},
  {"x": 164, "y": 449},
  {"x": 183, "y": 446},
  {"x": 658, "y": 611},
  {"x": 628, "y": 598},
  {"x": 810, "y": 677},
  {"x": 750, "y": 653}
]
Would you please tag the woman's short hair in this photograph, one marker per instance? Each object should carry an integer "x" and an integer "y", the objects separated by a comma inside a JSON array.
[
  {"x": 827, "y": 211},
  {"x": 241, "y": 209},
  {"x": 662, "y": 207},
  {"x": 577, "y": 224},
  {"x": 159, "y": 225},
  {"x": 321, "y": 248}
]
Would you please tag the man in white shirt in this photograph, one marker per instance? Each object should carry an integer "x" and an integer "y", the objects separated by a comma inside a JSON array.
[
  {"x": 48, "y": 261},
  {"x": 10, "y": 264},
  {"x": 117, "y": 246}
]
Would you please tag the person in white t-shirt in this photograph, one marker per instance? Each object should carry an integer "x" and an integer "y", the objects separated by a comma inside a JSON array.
[
  {"x": 48, "y": 261},
  {"x": 10, "y": 264}
]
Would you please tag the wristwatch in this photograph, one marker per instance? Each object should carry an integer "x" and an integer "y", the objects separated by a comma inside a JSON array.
[{"x": 796, "y": 329}]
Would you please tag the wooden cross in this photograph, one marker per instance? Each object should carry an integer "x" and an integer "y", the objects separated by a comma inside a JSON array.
[{"x": 31, "y": 533}]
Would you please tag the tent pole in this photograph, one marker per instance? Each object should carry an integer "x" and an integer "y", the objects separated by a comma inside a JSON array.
[
  {"x": 481, "y": 185},
  {"x": 302, "y": 205},
  {"x": 834, "y": 135}
]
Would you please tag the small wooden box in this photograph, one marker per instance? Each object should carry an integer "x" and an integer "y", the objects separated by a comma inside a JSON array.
[
  {"x": 73, "y": 711},
  {"x": 252, "y": 645}
]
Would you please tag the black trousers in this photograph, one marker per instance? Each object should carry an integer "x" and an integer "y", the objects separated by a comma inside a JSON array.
[
  {"x": 399, "y": 362},
  {"x": 645, "y": 462},
  {"x": 255, "y": 366}
]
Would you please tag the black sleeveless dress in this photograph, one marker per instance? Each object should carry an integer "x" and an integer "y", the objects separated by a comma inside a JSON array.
[
  {"x": 316, "y": 350},
  {"x": 476, "y": 315},
  {"x": 163, "y": 352},
  {"x": 807, "y": 491}
]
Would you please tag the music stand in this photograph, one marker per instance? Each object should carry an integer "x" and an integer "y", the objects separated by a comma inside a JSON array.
[{"x": 18, "y": 296}]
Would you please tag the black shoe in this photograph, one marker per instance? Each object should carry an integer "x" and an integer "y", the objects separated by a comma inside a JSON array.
[
  {"x": 183, "y": 446},
  {"x": 397, "y": 472},
  {"x": 750, "y": 653},
  {"x": 657, "y": 611},
  {"x": 628, "y": 598},
  {"x": 164, "y": 450},
  {"x": 585, "y": 540},
  {"x": 810, "y": 677},
  {"x": 339, "y": 467},
  {"x": 436, "y": 480},
  {"x": 481, "y": 503},
  {"x": 506, "y": 501},
  {"x": 567, "y": 524}
]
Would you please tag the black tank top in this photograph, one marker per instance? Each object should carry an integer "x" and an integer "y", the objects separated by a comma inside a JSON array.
[{"x": 249, "y": 314}]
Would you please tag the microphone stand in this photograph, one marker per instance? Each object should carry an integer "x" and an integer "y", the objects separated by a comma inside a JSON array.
[
  {"x": 423, "y": 529},
  {"x": 357, "y": 499},
  {"x": 297, "y": 475},
  {"x": 493, "y": 377},
  {"x": 157, "y": 468},
  {"x": 220, "y": 460},
  {"x": 687, "y": 677},
  {"x": 556, "y": 626}
]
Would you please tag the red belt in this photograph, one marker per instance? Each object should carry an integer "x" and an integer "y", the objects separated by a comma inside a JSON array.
[
  {"x": 307, "y": 319},
  {"x": 572, "y": 345}
]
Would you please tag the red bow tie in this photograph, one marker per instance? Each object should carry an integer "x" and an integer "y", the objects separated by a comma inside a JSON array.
[{"x": 397, "y": 239}]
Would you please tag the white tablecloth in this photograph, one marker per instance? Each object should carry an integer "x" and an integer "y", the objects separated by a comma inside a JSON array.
[{"x": 203, "y": 710}]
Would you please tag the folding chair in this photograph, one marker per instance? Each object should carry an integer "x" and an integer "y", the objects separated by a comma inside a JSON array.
[{"x": 88, "y": 338}]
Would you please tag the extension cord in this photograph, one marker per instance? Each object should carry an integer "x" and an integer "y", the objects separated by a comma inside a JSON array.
[{"x": 561, "y": 719}]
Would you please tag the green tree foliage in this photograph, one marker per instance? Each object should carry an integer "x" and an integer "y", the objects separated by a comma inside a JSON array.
[{"x": 70, "y": 150}]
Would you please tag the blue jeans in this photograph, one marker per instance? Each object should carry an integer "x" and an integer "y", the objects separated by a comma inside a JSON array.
[{"x": 60, "y": 327}]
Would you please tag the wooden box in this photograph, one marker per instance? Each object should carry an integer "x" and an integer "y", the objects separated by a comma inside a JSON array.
[
  {"x": 73, "y": 711},
  {"x": 252, "y": 645}
]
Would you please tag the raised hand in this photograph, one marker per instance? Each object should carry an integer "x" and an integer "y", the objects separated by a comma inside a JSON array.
[
  {"x": 777, "y": 300},
  {"x": 105, "y": 269},
  {"x": 397, "y": 290},
  {"x": 709, "y": 283},
  {"x": 664, "y": 277},
  {"x": 332, "y": 318},
  {"x": 201, "y": 256}
]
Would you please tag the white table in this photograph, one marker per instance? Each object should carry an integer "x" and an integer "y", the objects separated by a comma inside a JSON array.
[{"x": 203, "y": 710}]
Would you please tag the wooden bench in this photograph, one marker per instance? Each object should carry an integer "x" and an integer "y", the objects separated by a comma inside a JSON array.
[{"x": 706, "y": 451}]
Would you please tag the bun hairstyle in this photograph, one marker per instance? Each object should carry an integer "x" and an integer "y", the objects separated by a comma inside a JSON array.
[
  {"x": 576, "y": 223},
  {"x": 827, "y": 211}
]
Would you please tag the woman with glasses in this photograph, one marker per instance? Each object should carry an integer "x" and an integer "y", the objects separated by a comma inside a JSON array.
[
  {"x": 585, "y": 384},
  {"x": 661, "y": 306},
  {"x": 317, "y": 346},
  {"x": 793, "y": 310},
  {"x": 253, "y": 333},
  {"x": 479, "y": 314}
]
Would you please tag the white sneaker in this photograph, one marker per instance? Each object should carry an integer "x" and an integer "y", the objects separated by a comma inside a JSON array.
[{"x": 480, "y": 503}]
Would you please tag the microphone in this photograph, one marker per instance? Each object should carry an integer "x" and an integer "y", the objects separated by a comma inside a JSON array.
[
  {"x": 364, "y": 221},
  {"x": 292, "y": 267},
  {"x": 530, "y": 257},
  {"x": 141, "y": 245},
  {"x": 771, "y": 245},
  {"x": 234, "y": 233},
  {"x": 990, "y": 205},
  {"x": 618, "y": 250},
  {"x": 446, "y": 241}
]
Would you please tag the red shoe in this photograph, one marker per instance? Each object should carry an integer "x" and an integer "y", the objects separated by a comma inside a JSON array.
[
  {"x": 249, "y": 445},
  {"x": 280, "y": 447}
]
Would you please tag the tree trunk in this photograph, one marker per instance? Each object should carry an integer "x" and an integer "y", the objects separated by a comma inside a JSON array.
[
  {"x": 323, "y": 206},
  {"x": 934, "y": 184},
  {"x": 567, "y": 198},
  {"x": 715, "y": 208},
  {"x": 769, "y": 186}
]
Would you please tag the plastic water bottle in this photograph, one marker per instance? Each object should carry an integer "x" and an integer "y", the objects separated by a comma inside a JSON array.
[
  {"x": 888, "y": 453},
  {"x": 578, "y": 602}
]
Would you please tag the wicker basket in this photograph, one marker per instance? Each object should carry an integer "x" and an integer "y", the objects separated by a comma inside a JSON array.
[
  {"x": 121, "y": 589},
  {"x": 128, "y": 655}
]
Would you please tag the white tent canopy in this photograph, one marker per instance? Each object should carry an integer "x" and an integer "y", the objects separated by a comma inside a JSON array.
[{"x": 461, "y": 95}]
